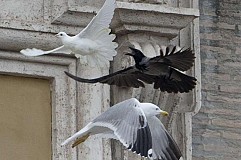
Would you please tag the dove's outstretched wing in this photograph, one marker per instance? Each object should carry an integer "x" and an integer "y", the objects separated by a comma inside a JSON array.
[
  {"x": 38, "y": 52},
  {"x": 98, "y": 31},
  {"x": 100, "y": 22}
]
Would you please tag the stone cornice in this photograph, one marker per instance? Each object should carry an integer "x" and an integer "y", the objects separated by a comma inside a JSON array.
[
  {"x": 130, "y": 17},
  {"x": 161, "y": 20}
]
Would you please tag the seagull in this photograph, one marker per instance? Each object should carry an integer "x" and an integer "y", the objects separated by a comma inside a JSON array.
[
  {"x": 93, "y": 45},
  {"x": 165, "y": 71},
  {"x": 136, "y": 126}
]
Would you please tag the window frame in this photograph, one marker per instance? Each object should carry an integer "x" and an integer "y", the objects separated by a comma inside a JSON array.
[{"x": 63, "y": 92}]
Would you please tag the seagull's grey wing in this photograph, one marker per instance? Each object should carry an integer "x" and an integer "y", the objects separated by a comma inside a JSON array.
[
  {"x": 164, "y": 146},
  {"x": 129, "y": 77},
  {"x": 100, "y": 22},
  {"x": 38, "y": 52},
  {"x": 179, "y": 59},
  {"x": 129, "y": 124}
]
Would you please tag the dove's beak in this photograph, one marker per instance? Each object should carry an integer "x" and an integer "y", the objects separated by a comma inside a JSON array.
[{"x": 57, "y": 35}]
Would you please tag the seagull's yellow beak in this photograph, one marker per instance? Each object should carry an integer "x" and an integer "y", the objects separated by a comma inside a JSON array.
[{"x": 164, "y": 113}]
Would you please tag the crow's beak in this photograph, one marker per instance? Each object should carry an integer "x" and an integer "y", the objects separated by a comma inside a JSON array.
[
  {"x": 132, "y": 52},
  {"x": 132, "y": 49},
  {"x": 129, "y": 54}
]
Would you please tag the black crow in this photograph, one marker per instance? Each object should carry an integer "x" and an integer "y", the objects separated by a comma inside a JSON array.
[{"x": 164, "y": 71}]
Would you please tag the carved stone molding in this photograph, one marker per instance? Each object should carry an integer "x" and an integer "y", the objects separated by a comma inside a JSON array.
[
  {"x": 159, "y": 20},
  {"x": 148, "y": 1},
  {"x": 72, "y": 16},
  {"x": 151, "y": 17},
  {"x": 138, "y": 25}
]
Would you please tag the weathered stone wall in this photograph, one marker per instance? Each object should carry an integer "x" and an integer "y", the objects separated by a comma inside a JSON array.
[
  {"x": 217, "y": 127},
  {"x": 27, "y": 24}
]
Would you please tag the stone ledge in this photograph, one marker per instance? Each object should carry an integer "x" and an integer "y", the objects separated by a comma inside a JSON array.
[
  {"x": 162, "y": 21},
  {"x": 129, "y": 18}
]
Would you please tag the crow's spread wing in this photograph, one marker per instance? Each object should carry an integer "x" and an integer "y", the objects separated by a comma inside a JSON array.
[
  {"x": 175, "y": 81},
  {"x": 182, "y": 60},
  {"x": 129, "y": 77}
]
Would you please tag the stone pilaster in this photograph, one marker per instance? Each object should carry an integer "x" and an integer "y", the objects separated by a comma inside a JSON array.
[{"x": 148, "y": 27}]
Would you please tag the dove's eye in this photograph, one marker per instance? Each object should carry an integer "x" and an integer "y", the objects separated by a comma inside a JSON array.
[{"x": 61, "y": 34}]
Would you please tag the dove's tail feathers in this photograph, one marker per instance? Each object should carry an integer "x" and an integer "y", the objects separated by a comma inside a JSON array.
[
  {"x": 106, "y": 51},
  {"x": 78, "y": 135},
  {"x": 96, "y": 60},
  {"x": 105, "y": 39},
  {"x": 32, "y": 52}
]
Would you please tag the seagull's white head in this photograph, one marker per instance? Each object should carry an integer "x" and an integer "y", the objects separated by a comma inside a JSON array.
[
  {"x": 152, "y": 110},
  {"x": 61, "y": 35}
]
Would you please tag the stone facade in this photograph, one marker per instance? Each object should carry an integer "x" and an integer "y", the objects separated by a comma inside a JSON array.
[
  {"x": 27, "y": 24},
  {"x": 217, "y": 127}
]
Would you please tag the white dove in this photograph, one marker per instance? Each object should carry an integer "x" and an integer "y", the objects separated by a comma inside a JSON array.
[{"x": 93, "y": 45}]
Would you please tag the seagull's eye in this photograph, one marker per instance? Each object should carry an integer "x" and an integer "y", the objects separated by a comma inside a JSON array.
[{"x": 157, "y": 109}]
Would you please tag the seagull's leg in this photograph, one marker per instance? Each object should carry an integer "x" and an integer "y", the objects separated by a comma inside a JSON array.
[{"x": 80, "y": 140}]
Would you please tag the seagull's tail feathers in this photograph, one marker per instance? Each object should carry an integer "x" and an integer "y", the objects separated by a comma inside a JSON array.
[
  {"x": 81, "y": 133},
  {"x": 175, "y": 82},
  {"x": 32, "y": 52}
]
